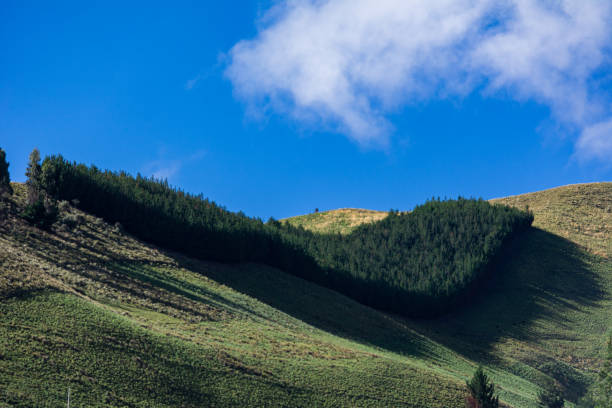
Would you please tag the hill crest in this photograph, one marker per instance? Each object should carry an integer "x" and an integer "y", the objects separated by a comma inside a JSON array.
[
  {"x": 580, "y": 212},
  {"x": 248, "y": 334}
]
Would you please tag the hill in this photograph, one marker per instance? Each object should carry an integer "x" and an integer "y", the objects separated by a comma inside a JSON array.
[
  {"x": 123, "y": 323},
  {"x": 342, "y": 221},
  {"x": 578, "y": 212},
  {"x": 549, "y": 310},
  {"x": 421, "y": 263},
  {"x": 581, "y": 213}
]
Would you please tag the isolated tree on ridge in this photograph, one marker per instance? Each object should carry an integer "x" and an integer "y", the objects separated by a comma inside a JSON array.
[
  {"x": 5, "y": 178},
  {"x": 40, "y": 210},
  {"x": 33, "y": 173}
]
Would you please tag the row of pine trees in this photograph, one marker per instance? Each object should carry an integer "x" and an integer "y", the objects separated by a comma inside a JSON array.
[
  {"x": 418, "y": 263},
  {"x": 422, "y": 259}
]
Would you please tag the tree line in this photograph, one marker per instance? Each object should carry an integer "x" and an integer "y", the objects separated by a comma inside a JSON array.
[
  {"x": 441, "y": 247},
  {"x": 421, "y": 262},
  {"x": 418, "y": 263}
]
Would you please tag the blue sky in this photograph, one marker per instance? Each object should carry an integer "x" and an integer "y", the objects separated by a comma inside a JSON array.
[{"x": 276, "y": 108}]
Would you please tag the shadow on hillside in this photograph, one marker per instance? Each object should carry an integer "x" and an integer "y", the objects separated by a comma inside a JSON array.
[
  {"x": 540, "y": 292},
  {"x": 95, "y": 258},
  {"x": 110, "y": 275},
  {"x": 544, "y": 277},
  {"x": 319, "y": 307}
]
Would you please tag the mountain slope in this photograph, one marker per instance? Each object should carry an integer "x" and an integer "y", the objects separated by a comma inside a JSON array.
[
  {"x": 581, "y": 213},
  {"x": 547, "y": 314},
  {"x": 341, "y": 221},
  {"x": 126, "y": 324}
]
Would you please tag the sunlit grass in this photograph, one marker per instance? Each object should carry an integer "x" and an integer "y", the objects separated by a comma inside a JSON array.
[
  {"x": 341, "y": 221},
  {"x": 125, "y": 324}
]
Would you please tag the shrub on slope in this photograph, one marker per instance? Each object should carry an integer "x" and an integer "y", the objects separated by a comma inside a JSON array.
[{"x": 419, "y": 263}]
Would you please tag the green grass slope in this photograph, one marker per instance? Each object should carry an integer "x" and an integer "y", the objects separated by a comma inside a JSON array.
[
  {"x": 546, "y": 316},
  {"x": 125, "y": 324}
]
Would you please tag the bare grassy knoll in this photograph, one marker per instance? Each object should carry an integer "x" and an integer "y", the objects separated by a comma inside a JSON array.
[
  {"x": 582, "y": 213},
  {"x": 341, "y": 221},
  {"x": 124, "y": 323}
]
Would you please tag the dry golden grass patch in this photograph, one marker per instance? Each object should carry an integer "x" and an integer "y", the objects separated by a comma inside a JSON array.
[
  {"x": 343, "y": 220},
  {"x": 93, "y": 260},
  {"x": 581, "y": 213}
]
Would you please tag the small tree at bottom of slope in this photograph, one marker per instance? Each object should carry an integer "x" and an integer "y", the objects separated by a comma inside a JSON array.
[
  {"x": 551, "y": 397},
  {"x": 482, "y": 391},
  {"x": 604, "y": 386}
]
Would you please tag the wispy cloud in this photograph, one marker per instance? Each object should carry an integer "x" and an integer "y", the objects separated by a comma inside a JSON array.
[
  {"x": 190, "y": 84},
  {"x": 165, "y": 169},
  {"x": 349, "y": 63},
  {"x": 595, "y": 142}
]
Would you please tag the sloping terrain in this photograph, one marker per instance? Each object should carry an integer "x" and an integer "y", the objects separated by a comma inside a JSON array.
[
  {"x": 422, "y": 263},
  {"x": 123, "y": 323},
  {"x": 342, "y": 221},
  {"x": 578, "y": 212},
  {"x": 547, "y": 315},
  {"x": 581, "y": 213}
]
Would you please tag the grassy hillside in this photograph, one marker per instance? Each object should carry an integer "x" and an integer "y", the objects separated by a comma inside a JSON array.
[
  {"x": 581, "y": 213},
  {"x": 421, "y": 263},
  {"x": 547, "y": 315},
  {"x": 342, "y": 221},
  {"x": 126, "y": 324}
]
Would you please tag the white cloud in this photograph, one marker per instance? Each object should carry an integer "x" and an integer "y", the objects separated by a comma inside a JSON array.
[
  {"x": 349, "y": 63},
  {"x": 595, "y": 142},
  {"x": 548, "y": 51},
  {"x": 165, "y": 169}
]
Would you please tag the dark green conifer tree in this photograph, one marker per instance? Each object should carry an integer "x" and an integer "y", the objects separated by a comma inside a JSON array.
[
  {"x": 33, "y": 173},
  {"x": 482, "y": 391},
  {"x": 5, "y": 178},
  {"x": 550, "y": 397},
  {"x": 41, "y": 210},
  {"x": 604, "y": 388}
]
